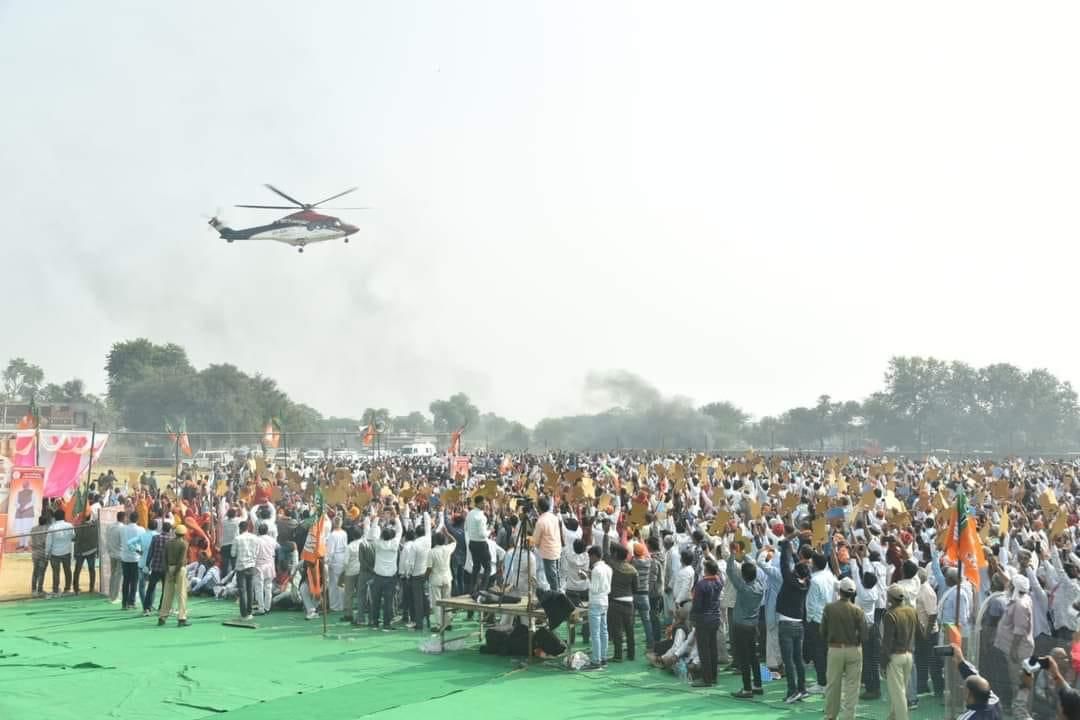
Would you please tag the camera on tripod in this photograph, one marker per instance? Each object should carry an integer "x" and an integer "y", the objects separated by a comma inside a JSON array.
[{"x": 524, "y": 503}]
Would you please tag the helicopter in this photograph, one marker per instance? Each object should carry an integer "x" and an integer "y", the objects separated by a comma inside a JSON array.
[{"x": 298, "y": 229}]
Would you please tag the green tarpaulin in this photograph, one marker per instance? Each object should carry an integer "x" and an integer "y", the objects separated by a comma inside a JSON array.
[{"x": 85, "y": 658}]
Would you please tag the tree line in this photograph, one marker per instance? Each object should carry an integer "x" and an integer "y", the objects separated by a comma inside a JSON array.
[{"x": 923, "y": 405}]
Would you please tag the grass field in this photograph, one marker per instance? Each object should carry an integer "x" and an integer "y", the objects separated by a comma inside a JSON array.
[{"x": 85, "y": 658}]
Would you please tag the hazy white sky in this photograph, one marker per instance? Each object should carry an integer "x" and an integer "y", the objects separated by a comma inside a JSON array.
[{"x": 758, "y": 202}]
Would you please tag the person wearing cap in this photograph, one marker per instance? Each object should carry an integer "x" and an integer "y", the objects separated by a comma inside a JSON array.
[
  {"x": 843, "y": 627},
  {"x": 1014, "y": 638},
  {"x": 175, "y": 578},
  {"x": 897, "y": 645}
]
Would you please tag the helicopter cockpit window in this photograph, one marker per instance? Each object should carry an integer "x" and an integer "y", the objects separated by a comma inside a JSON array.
[{"x": 337, "y": 223}]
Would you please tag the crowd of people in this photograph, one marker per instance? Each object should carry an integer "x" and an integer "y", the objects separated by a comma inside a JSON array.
[{"x": 832, "y": 573}]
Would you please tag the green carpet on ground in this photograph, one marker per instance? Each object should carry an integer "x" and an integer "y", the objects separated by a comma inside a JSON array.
[{"x": 85, "y": 658}]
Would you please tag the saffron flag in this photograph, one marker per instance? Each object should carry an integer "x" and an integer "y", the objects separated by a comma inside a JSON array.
[
  {"x": 272, "y": 434},
  {"x": 369, "y": 434},
  {"x": 455, "y": 441},
  {"x": 26, "y": 422},
  {"x": 962, "y": 544},
  {"x": 314, "y": 551},
  {"x": 185, "y": 444}
]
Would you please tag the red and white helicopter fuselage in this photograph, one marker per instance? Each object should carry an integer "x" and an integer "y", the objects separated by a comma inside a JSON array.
[{"x": 299, "y": 229}]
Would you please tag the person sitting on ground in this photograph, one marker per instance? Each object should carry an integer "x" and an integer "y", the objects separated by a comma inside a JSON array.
[{"x": 680, "y": 645}]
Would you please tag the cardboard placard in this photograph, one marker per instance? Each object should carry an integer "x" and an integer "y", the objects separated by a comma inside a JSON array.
[
  {"x": 1048, "y": 502},
  {"x": 1061, "y": 522},
  {"x": 791, "y": 501},
  {"x": 820, "y": 531},
  {"x": 719, "y": 521},
  {"x": 450, "y": 497},
  {"x": 999, "y": 489}
]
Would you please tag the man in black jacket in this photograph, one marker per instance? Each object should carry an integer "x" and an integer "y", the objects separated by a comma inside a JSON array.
[
  {"x": 705, "y": 614},
  {"x": 790, "y": 616}
]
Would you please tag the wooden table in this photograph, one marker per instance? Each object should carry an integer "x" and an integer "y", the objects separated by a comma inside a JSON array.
[{"x": 519, "y": 609}]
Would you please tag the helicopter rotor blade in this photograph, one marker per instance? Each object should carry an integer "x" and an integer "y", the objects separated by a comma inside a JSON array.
[
  {"x": 332, "y": 197},
  {"x": 290, "y": 199},
  {"x": 343, "y": 208},
  {"x": 269, "y": 207}
]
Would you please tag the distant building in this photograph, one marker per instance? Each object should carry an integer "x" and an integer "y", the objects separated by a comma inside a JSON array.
[{"x": 55, "y": 416}]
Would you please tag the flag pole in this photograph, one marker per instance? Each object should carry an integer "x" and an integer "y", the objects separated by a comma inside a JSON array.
[
  {"x": 37, "y": 431},
  {"x": 90, "y": 465},
  {"x": 324, "y": 592},
  {"x": 176, "y": 458},
  {"x": 959, "y": 570}
]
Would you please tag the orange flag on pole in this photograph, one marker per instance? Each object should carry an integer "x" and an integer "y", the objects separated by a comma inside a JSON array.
[{"x": 962, "y": 545}]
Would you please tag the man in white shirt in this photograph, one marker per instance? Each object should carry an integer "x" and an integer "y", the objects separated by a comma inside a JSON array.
[
  {"x": 822, "y": 592},
  {"x": 245, "y": 551},
  {"x": 230, "y": 528},
  {"x": 684, "y": 579},
  {"x": 130, "y": 537},
  {"x": 476, "y": 535},
  {"x": 336, "y": 551},
  {"x": 599, "y": 587},
  {"x": 440, "y": 576},
  {"x": 58, "y": 546},
  {"x": 113, "y": 544},
  {"x": 574, "y": 568},
  {"x": 416, "y": 572},
  {"x": 386, "y": 542}
]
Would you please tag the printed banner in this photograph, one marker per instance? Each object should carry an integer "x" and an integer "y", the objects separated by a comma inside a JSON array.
[
  {"x": 459, "y": 466},
  {"x": 64, "y": 455},
  {"x": 5, "y": 483},
  {"x": 24, "y": 504}
]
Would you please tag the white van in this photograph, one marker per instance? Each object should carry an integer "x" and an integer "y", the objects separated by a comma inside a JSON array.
[{"x": 418, "y": 450}]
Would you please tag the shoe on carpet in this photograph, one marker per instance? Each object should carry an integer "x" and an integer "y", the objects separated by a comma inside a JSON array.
[
  {"x": 743, "y": 694},
  {"x": 160, "y": 621},
  {"x": 815, "y": 689},
  {"x": 793, "y": 698},
  {"x": 758, "y": 691},
  {"x": 700, "y": 684},
  {"x": 802, "y": 695},
  {"x": 183, "y": 623}
]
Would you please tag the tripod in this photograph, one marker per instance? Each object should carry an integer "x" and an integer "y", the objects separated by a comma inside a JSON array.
[{"x": 520, "y": 547}]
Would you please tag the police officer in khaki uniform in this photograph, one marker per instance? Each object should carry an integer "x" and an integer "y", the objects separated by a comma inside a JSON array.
[
  {"x": 897, "y": 646},
  {"x": 842, "y": 629}
]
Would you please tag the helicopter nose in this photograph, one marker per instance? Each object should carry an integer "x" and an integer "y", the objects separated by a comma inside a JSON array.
[{"x": 350, "y": 229}]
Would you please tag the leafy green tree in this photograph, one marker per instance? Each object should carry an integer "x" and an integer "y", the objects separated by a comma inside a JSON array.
[
  {"x": 22, "y": 380},
  {"x": 453, "y": 413},
  {"x": 415, "y": 423}
]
